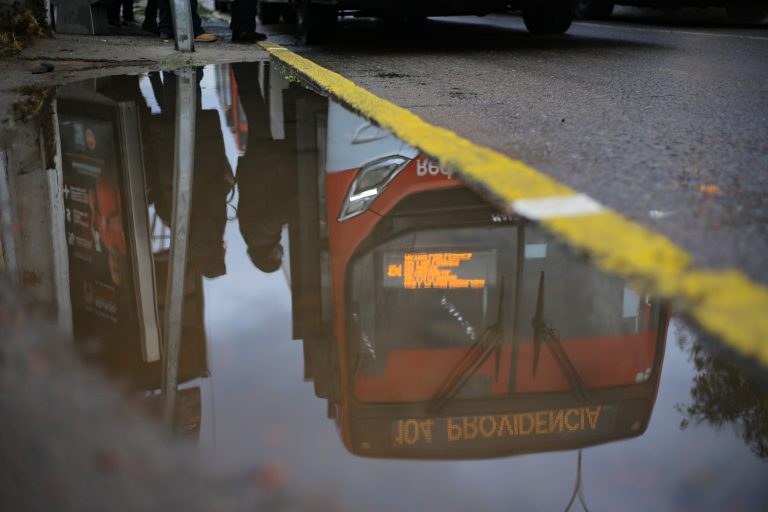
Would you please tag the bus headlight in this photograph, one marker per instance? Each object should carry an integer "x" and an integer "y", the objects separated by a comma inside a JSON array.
[{"x": 369, "y": 184}]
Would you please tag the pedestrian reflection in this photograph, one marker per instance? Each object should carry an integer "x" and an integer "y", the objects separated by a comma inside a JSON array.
[
  {"x": 266, "y": 176},
  {"x": 212, "y": 176}
]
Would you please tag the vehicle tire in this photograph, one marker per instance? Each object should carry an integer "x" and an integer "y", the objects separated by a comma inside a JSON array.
[
  {"x": 553, "y": 17},
  {"x": 289, "y": 15},
  {"x": 317, "y": 22},
  {"x": 593, "y": 9},
  {"x": 268, "y": 12},
  {"x": 747, "y": 12}
]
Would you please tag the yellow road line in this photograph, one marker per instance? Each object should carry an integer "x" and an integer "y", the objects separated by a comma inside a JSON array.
[{"x": 725, "y": 303}]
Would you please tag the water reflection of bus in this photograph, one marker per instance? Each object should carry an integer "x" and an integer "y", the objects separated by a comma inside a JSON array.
[
  {"x": 440, "y": 336},
  {"x": 450, "y": 330}
]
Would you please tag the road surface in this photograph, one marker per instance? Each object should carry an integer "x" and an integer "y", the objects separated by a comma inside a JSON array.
[{"x": 661, "y": 117}]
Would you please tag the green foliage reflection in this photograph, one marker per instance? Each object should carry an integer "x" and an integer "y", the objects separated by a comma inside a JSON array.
[{"x": 723, "y": 393}]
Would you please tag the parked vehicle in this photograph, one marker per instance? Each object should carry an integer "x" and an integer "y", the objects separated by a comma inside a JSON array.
[
  {"x": 317, "y": 19},
  {"x": 747, "y": 12},
  {"x": 274, "y": 11},
  {"x": 268, "y": 11}
]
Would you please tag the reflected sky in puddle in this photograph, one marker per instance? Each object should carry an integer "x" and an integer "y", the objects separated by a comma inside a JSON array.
[{"x": 433, "y": 326}]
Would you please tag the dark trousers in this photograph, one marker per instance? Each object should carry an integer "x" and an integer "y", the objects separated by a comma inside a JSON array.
[
  {"x": 212, "y": 176},
  {"x": 113, "y": 11},
  {"x": 266, "y": 174},
  {"x": 243, "y": 16},
  {"x": 166, "y": 18},
  {"x": 150, "y": 12}
]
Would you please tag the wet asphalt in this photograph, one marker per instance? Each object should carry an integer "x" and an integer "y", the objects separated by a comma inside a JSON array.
[{"x": 661, "y": 116}]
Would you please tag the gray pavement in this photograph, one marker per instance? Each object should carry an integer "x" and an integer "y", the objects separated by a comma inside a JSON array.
[
  {"x": 73, "y": 442},
  {"x": 662, "y": 119},
  {"x": 130, "y": 51}
]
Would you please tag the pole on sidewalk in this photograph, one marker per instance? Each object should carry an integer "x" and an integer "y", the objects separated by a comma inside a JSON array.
[
  {"x": 182, "y": 25},
  {"x": 183, "y": 164}
]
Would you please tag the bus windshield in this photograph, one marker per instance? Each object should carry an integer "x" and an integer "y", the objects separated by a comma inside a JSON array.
[{"x": 420, "y": 303}]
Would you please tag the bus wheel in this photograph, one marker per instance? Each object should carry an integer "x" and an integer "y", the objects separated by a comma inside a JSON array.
[
  {"x": 747, "y": 12},
  {"x": 593, "y": 9},
  {"x": 289, "y": 15},
  {"x": 317, "y": 22},
  {"x": 552, "y": 17},
  {"x": 268, "y": 12}
]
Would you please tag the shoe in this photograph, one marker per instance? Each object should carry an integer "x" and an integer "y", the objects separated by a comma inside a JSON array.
[
  {"x": 165, "y": 35},
  {"x": 206, "y": 38},
  {"x": 247, "y": 37}
]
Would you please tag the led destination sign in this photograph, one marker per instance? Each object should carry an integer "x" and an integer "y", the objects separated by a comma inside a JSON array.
[
  {"x": 440, "y": 270},
  {"x": 572, "y": 423}
]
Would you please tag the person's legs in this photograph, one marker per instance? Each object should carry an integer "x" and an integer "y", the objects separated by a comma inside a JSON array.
[
  {"x": 243, "y": 16},
  {"x": 113, "y": 12},
  {"x": 166, "y": 18},
  {"x": 150, "y": 11},
  {"x": 197, "y": 23},
  {"x": 150, "y": 17},
  {"x": 265, "y": 176},
  {"x": 166, "y": 22},
  {"x": 243, "y": 23},
  {"x": 127, "y": 10},
  {"x": 197, "y": 26}
]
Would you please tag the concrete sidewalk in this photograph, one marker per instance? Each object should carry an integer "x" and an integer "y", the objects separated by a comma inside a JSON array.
[{"x": 77, "y": 57}]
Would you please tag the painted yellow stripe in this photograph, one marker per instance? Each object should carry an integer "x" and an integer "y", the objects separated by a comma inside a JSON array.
[{"x": 724, "y": 303}]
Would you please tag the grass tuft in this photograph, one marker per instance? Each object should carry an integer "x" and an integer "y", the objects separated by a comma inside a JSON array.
[
  {"x": 36, "y": 99},
  {"x": 19, "y": 33}
]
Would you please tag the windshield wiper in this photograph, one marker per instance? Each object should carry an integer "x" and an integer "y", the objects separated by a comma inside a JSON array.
[
  {"x": 542, "y": 332},
  {"x": 486, "y": 344}
]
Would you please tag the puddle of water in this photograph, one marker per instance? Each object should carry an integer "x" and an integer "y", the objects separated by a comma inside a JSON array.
[{"x": 357, "y": 319}]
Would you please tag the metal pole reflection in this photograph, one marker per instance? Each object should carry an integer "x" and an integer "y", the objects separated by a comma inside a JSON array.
[
  {"x": 184, "y": 160},
  {"x": 8, "y": 263},
  {"x": 182, "y": 25},
  {"x": 519, "y": 273},
  {"x": 578, "y": 489}
]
